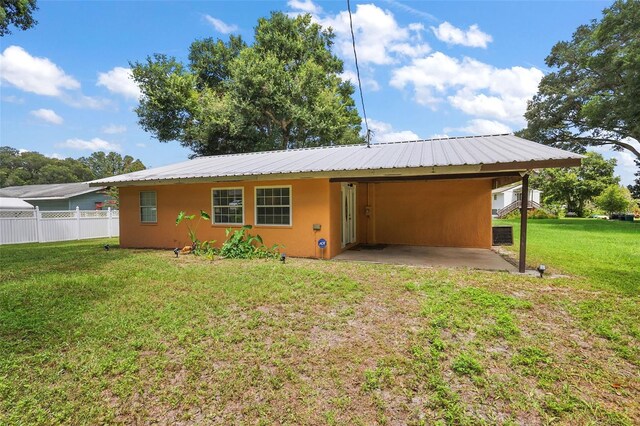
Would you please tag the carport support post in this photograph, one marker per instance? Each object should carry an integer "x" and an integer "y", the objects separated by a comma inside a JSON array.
[{"x": 523, "y": 222}]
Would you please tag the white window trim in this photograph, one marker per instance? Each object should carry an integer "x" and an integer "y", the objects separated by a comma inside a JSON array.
[
  {"x": 140, "y": 206},
  {"x": 213, "y": 214},
  {"x": 255, "y": 206}
]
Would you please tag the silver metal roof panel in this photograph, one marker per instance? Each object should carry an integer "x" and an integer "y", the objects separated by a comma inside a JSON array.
[{"x": 461, "y": 151}]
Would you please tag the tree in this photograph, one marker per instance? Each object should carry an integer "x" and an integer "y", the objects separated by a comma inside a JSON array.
[
  {"x": 29, "y": 168},
  {"x": 104, "y": 165},
  {"x": 18, "y": 13},
  {"x": 575, "y": 186},
  {"x": 635, "y": 187},
  {"x": 592, "y": 98},
  {"x": 615, "y": 199},
  {"x": 282, "y": 92}
]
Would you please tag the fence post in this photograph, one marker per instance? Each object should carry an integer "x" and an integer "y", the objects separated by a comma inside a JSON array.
[
  {"x": 38, "y": 227},
  {"x": 78, "y": 220},
  {"x": 109, "y": 222}
]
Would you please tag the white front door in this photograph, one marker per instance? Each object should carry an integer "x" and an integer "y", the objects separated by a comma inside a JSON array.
[{"x": 348, "y": 214}]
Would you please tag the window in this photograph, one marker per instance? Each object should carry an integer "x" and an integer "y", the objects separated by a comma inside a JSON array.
[
  {"x": 227, "y": 206},
  {"x": 495, "y": 197},
  {"x": 273, "y": 206},
  {"x": 148, "y": 207}
]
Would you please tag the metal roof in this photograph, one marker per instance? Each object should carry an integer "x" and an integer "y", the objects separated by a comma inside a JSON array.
[
  {"x": 442, "y": 155},
  {"x": 56, "y": 191},
  {"x": 14, "y": 204}
]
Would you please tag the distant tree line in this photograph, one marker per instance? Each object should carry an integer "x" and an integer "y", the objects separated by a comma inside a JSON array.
[{"x": 31, "y": 168}]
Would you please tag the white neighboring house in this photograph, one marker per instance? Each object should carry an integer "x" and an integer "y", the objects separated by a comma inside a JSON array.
[{"x": 508, "y": 195}]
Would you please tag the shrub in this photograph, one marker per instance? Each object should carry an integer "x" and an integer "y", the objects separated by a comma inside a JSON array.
[
  {"x": 541, "y": 214},
  {"x": 242, "y": 245}
]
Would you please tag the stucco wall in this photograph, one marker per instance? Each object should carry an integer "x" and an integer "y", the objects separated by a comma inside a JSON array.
[
  {"x": 449, "y": 213},
  {"x": 310, "y": 201},
  {"x": 454, "y": 213}
]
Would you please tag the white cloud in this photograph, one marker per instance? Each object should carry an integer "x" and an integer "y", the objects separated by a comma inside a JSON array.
[
  {"x": 306, "y": 6},
  {"x": 469, "y": 85},
  {"x": 95, "y": 144},
  {"x": 384, "y": 132},
  {"x": 480, "y": 126},
  {"x": 473, "y": 37},
  {"x": 367, "y": 82},
  {"x": 379, "y": 37},
  {"x": 141, "y": 145},
  {"x": 55, "y": 155},
  {"x": 13, "y": 99},
  {"x": 34, "y": 74},
  {"x": 220, "y": 26},
  {"x": 47, "y": 115},
  {"x": 119, "y": 80},
  {"x": 113, "y": 129}
]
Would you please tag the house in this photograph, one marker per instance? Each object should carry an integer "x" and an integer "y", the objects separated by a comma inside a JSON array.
[
  {"x": 430, "y": 192},
  {"x": 60, "y": 196},
  {"x": 507, "y": 198}
]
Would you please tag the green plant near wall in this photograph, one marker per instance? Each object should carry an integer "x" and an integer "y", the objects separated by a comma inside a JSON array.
[
  {"x": 240, "y": 244},
  {"x": 188, "y": 220}
]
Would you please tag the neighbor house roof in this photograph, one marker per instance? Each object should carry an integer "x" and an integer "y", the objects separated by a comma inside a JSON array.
[
  {"x": 14, "y": 204},
  {"x": 474, "y": 154},
  {"x": 513, "y": 186},
  {"x": 56, "y": 191}
]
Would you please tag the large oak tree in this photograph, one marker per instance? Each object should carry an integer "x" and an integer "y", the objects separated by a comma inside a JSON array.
[
  {"x": 284, "y": 91},
  {"x": 591, "y": 99}
]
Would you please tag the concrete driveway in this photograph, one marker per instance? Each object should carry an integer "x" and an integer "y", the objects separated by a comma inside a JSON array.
[{"x": 450, "y": 257}]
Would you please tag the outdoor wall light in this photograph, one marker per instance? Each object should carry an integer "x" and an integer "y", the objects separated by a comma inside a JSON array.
[
  {"x": 176, "y": 251},
  {"x": 283, "y": 257},
  {"x": 541, "y": 270}
]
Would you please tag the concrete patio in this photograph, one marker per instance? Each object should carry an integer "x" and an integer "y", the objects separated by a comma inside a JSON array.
[{"x": 450, "y": 257}]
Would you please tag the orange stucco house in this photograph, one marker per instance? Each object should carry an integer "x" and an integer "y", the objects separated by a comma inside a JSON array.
[{"x": 431, "y": 192}]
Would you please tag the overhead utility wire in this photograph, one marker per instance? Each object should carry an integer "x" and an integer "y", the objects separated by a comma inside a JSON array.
[{"x": 355, "y": 55}]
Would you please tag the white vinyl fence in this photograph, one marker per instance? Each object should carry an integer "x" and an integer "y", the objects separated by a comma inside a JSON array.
[{"x": 35, "y": 226}]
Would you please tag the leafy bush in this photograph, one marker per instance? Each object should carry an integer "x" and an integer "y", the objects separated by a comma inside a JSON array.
[
  {"x": 182, "y": 217},
  {"x": 242, "y": 245},
  {"x": 532, "y": 214},
  {"x": 541, "y": 214}
]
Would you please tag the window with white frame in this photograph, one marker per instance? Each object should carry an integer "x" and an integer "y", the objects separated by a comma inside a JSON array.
[
  {"x": 148, "y": 207},
  {"x": 273, "y": 206},
  {"x": 227, "y": 206}
]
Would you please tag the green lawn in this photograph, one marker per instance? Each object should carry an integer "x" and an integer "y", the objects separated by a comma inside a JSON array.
[
  {"x": 138, "y": 337},
  {"x": 606, "y": 253}
]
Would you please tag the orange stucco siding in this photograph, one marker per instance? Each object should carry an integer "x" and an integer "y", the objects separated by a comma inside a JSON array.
[
  {"x": 447, "y": 213},
  {"x": 310, "y": 205},
  {"x": 453, "y": 213}
]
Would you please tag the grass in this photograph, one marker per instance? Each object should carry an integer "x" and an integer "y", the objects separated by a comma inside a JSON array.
[
  {"x": 138, "y": 336},
  {"x": 605, "y": 253}
]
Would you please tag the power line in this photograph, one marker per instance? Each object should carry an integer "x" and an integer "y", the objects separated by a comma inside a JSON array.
[{"x": 355, "y": 55}]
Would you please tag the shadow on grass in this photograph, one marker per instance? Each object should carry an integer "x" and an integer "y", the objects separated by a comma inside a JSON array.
[{"x": 45, "y": 290}]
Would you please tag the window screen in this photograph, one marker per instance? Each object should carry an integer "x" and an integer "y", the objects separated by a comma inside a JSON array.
[
  {"x": 273, "y": 206},
  {"x": 148, "y": 207},
  {"x": 227, "y": 206}
]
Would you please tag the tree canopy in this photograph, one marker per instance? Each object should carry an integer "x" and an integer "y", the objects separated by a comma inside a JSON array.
[
  {"x": 575, "y": 186},
  {"x": 31, "y": 168},
  {"x": 634, "y": 188},
  {"x": 615, "y": 199},
  {"x": 592, "y": 97},
  {"x": 282, "y": 92},
  {"x": 104, "y": 165},
  {"x": 18, "y": 13}
]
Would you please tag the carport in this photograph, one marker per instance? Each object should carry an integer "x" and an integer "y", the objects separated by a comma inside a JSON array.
[{"x": 449, "y": 257}]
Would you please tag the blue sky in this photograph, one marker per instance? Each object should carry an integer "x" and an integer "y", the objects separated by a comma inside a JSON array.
[{"x": 429, "y": 68}]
